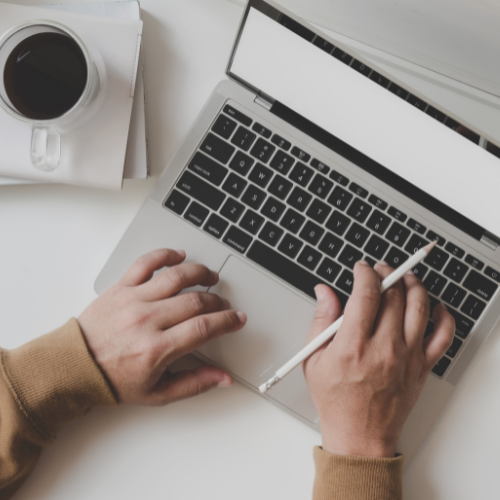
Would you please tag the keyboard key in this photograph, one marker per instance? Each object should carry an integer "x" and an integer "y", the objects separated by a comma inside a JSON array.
[
  {"x": 420, "y": 271},
  {"x": 359, "y": 210},
  {"x": 454, "y": 295},
  {"x": 356, "y": 189},
  {"x": 399, "y": 91},
  {"x": 234, "y": 185},
  {"x": 282, "y": 162},
  {"x": 492, "y": 273},
  {"x": 329, "y": 270},
  {"x": 280, "y": 187},
  {"x": 378, "y": 78},
  {"x": 253, "y": 197},
  {"x": 217, "y": 148},
  {"x": 395, "y": 257},
  {"x": 456, "y": 251},
  {"x": 177, "y": 202},
  {"x": 429, "y": 330},
  {"x": 417, "y": 102},
  {"x": 318, "y": 211},
  {"x": 251, "y": 221},
  {"x": 232, "y": 210},
  {"x": 468, "y": 134},
  {"x": 309, "y": 258},
  {"x": 301, "y": 174},
  {"x": 349, "y": 256},
  {"x": 379, "y": 222},
  {"x": 473, "y": 307},
  {"x": 287, "y": 270},
  {"x": 262, "y": 150},
  {"x": 243, "y": 138},
  {"x": 450, "y": 123},
  {"x": 237, "y": 115},
  {"x": 437, "y": 258},
  {"x": 261, "y": 130},
  {"x": 299, "y": 199},
  {"x": 357, "y": 235},
  {"x": 196, "y": 214},
  {"x": 342, "y": 180},
  {"x": 441, "y": 366},
  {"x": 433, "y": 303},
  {"x": 371, "y": 262},
  {"x": 323, "y": 44},
  {"x": 271, "y": 234},
  {"x": 476, "y": 263},
  {"x": 282, "y": 143},
  {"x": 224, "y": 126},
  {"x": 398, "y": 234},
  {"x": 320, "y": 166},
  {"x": 435, "y": 283},
  {"x": 273, "y": 209},
  {"x": 312, "y": 233},
  {"x": 415, "y": 244},
  {"x": 361, "y": 67},
  {"x": 463, "y": 325},
  {"x": 346, "y": 281},
  {"x": 432, "y": 236},
  {"x": 416, "y": 226},
  {"x": 320, "y": 186},
  {"x": 292, "y": 221},
  {"x": 208, "y": 169},
  {"x": 300, "y": 154},
  {"x": 338, "y": 223},
  {"x": 331, "y": 245},
  {"x": 260, "y": 175},
  {"x": 376, "y": 247},
  {"x": 436, "y": 114},
  {"x": 241, "y": 163},
  {"x": 397, "y": 214},
  {"x": 342, "y": 56},
  {"x": 340, "y": 198},
  {"x": 237, "y": 239},
  {"x": 297, "y": 28},
  {"x": 216, "y": 226},
  {"x": 454, "y": 348},
  {"x": 480, "y": 285},
  {"x": 290, "y": 246},
  {"x": 456, "y": 270},
  {"x": 201, "y": 190},
  {"x": 375, "y": 200}
]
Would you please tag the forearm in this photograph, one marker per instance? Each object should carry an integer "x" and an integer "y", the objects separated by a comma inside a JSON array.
[{"x": 43, "y": 384}]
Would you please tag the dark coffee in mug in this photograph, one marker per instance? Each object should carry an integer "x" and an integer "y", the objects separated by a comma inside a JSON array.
[{"x": 45, "y": 75}]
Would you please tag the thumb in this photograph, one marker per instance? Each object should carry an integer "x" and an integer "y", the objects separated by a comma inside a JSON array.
[{"x": 188, "y": 383}]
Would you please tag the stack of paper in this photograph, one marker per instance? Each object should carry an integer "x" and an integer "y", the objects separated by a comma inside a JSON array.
[{"x": 113, "y": 144}]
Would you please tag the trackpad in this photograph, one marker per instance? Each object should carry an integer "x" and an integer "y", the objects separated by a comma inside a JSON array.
[{"x": 278, "y": 322}]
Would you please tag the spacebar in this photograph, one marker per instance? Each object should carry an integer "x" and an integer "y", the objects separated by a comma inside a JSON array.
[{"x": 287, "y": 270}]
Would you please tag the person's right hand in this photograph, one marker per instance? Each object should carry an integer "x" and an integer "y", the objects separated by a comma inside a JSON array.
[
  {"x": 365, "y": 382},
  {"x": 140, "y": 326}
]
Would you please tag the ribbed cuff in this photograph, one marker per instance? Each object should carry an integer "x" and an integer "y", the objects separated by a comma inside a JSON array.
[
  {"x": 54, "y": 379},
  {"x": 356, "y": 478}
]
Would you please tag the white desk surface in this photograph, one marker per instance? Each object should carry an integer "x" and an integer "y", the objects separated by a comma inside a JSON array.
[{"x": 228, "y": 444}]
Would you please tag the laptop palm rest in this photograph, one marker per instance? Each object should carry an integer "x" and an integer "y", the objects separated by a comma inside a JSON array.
[{"x": 278, "y": 322}]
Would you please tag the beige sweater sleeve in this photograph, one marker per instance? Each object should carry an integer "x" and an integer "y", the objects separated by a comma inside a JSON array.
[{"x": 43, "y": 384}]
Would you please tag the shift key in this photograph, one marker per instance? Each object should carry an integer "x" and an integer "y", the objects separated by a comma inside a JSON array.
[{"x": 201, "y": 190}]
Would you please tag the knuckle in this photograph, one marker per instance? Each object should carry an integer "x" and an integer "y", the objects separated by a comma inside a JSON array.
[
  {"x": 370, "y": 295},
  {"x": 196, "y": 301},
  {"x": 176, "y": 276},
  {"x": 203, "y": 328},
  {"x": 395, "y": 295},
  {"x": 421, "y": 308}
]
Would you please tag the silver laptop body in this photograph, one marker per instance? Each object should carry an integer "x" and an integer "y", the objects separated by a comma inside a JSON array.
[{"x": 252, "y": 182}]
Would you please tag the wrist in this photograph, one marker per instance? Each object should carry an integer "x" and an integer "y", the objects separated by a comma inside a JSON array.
[{"x": 359, "y": 447}]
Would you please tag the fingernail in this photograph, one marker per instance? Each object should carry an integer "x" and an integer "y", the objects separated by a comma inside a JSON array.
[
  {"x": 363, "y": 263},
  {"x": 215, "y": 274},
  {"x": 227, "y": 382},
  {"x": 181, "y": 253},
  {"x": 320, "y": 293},
  {"x": 383, "y": 263},
  {"x": 242, "y": 316},
  {"x": 410, "y": 273},
  {"x": 443, "y": 306}
]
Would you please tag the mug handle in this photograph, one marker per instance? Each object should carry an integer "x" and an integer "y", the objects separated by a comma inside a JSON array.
[{"x": 45, "y": 148}]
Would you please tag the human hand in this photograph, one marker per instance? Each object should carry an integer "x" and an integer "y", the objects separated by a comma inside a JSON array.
[
  {"x": 365, "y": 382},
  {"x": 140, "y": 326}
]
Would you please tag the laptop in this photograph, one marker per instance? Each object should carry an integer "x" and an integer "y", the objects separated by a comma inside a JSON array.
[{"x": 304, "y": 161}]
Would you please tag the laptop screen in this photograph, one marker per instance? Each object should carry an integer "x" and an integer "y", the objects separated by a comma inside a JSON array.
[{"x": 284, "y": 63}]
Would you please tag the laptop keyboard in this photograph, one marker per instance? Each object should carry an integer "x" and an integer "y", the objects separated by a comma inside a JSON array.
[{"x": 308, "y": 224}]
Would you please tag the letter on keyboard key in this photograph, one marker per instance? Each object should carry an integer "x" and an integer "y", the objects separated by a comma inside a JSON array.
[
  {"x": 217, "y": 148},
  {"x": 271, "y": 234},
  {"x": 349, "y": 257},
  {"x": 201, "y": 190},
  {"x": 318, "y": 211},
  {"x": 331, "y": 245},
  {"x": 234, "y": 185},
  {"x": 346, "y": 281},
  {"x": 329, "y": 270},
  {"x": 290, "y": 246},
  {"x": 251, "y": 221},
  {"x": 232, "y": 210},
  {"x": 338, "y": 223},
  {"x": 309, "y": 258},
  {"x": 273, "y": 209},
  {"x": 395, "y": 257},
  {"x": 237, "y": 239},
  {"x": 292, "y": 221},
  {"x": 241, "y": 163}
]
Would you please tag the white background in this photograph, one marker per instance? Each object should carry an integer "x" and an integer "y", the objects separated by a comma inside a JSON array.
[{"x": 228, "y": 444}]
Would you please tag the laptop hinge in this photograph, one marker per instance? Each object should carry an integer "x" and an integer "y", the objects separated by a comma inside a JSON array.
[
  {"x": 490, "y": 240},
  {"x": 264, "y": 100}
]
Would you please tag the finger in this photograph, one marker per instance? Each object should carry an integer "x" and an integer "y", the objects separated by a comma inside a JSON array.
[
  {"x": 362, "y": 307},
  {"x": 175, "y": 279},
  {"x": 186, "y": 384},
  {"x": 416, "y": 314},
  {"x": 436, "y": 344},
  {"x": 176, "y": 310},
  {"x": 144, "y": 267},
  {"x": 196, "y": 332}
]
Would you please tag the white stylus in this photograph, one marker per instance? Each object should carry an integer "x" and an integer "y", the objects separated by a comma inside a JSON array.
[{"x": 333, "y": 329}]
